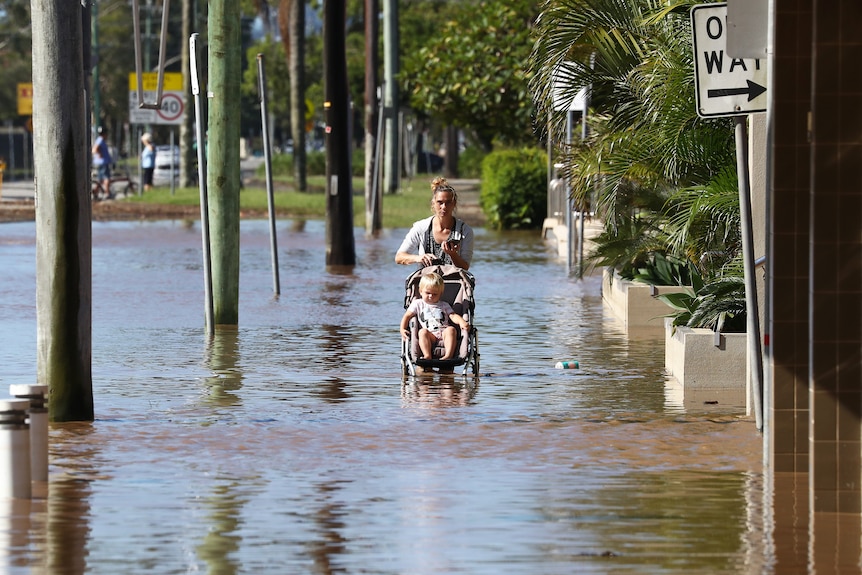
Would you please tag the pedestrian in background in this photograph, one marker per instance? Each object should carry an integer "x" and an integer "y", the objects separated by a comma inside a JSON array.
[
  {"x": 148, "y": 160},
  {"x": 102, "y": 159}
]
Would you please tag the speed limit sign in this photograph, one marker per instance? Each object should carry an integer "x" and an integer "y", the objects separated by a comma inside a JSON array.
[
  {"x": 172, "y": 105},
  {"x": 171, "y": 111}
]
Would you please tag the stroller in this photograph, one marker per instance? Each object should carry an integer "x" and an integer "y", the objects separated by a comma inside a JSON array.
[{"x": 458, "y": 287}]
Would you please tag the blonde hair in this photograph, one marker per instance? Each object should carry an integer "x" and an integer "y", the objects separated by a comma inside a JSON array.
[
  {"x": 431, "y": 279},
  {"x": 442, "y": 185}
]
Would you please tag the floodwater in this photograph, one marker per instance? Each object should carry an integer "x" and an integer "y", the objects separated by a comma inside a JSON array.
[{"x": 291, "y": 444}]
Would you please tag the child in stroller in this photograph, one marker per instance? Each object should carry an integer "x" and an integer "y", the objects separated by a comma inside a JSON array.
[{"x": 436, "y": 298}]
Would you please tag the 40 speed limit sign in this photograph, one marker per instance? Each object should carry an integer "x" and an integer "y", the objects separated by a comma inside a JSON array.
[{"x": 173, "y": 103}]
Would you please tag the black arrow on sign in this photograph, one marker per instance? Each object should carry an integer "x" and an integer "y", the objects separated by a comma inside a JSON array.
[{"x": 753, "y": 90}]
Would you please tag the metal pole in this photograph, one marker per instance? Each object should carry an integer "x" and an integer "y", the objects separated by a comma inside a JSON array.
[
  {"x": 267, "y": 156},
  {"x": 392, "y": 141},
  {"x": 581, "y": 244},
  {"x": 375, "y": 176},
  {"x": 173, "y": 165},
  {"x": 570, "y": 204},
  {"x": 202, "y": 184},
  {"x": 752, "y": 314},
  {"x": 11, "y": 136}
]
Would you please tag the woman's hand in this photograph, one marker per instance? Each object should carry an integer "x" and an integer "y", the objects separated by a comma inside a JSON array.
[
  {"x": 426, "y": 260},
  {"x": 451, "y": 247}
]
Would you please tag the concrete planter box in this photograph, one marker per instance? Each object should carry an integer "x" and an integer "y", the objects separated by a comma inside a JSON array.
[
  {"x": 636, "y": 304},
  {"x": 692, "y": 357}
]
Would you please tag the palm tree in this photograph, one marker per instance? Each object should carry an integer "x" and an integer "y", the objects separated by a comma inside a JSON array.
[{"x": 661, "y": 175}]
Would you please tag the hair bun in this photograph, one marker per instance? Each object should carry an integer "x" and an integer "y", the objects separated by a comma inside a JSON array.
[{"x": 439, "y": 182}]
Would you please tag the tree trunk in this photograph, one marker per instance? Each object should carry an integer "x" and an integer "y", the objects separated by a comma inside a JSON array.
[
  {"x": 63, "y": 211},
  {"x": 452, "y": 151},
  {"x": 291, "y": 22},
  {"x": 340, "y": 248}
]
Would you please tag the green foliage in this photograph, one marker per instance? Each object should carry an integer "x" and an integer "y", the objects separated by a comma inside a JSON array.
[
  {"x": 644, "y": 129},
  {"x": 514, "y": 188},
  {"x": 470, "y": 162},
  {"x": 718, "y": 305},
  {"x": 15, "y": 56},
  {"x": 662, "y": 179},
  {"x": 277, "y": 81},
  {"x": 666, "y": 270},
  {"x": 470, "y": 72}
]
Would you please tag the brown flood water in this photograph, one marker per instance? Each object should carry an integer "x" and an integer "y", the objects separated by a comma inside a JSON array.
[{"x": 291, "y": 445}]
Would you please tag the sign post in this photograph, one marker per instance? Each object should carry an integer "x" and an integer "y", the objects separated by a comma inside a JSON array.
[
  {"x": 725, "y": 86},
  {"x": 736, "y": 87}
]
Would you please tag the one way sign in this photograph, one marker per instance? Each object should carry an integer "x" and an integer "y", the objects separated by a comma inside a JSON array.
[{"x": 725, "y": 86}]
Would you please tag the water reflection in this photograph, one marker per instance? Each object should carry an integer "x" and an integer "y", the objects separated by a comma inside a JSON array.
[
  {"x": 438, "y": 390},
  {"x": 222, "y": 357},
  {"x": 76, "y": 450},
  {"x": 222, "y": 541},
  {"x": 328, "y": 544}
]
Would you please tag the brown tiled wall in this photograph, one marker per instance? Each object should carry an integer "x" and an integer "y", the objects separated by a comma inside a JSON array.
[
  {"x": 836, "y": 257},
  {"x": 816, "y": 242}
]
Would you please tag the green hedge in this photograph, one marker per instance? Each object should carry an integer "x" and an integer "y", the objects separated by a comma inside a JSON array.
[
  {"x": 514, "y": 188},
  {"x": 470, "y": 162}
]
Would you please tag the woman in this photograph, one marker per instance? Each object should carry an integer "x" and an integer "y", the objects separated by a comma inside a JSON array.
[
  {"x": 442, "y": 238},
  {"x": 148, "y": 160}
]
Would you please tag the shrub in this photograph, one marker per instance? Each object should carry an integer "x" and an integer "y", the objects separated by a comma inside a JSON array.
[
  {"x": 470, "y": 162},
  {"x": 514, "y": 188}
]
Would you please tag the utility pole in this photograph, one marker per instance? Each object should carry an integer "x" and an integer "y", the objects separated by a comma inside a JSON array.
[
  {"x": 373, "y": 208},
  {"x": 340, "y": 247},
  {"x": 94, "y": 49},
  {"x": 391, "y": 140},
  {"x": 187, "y": 128},
  {"x": 223, "y": 177},
  {"x": 63, "y": 211}
]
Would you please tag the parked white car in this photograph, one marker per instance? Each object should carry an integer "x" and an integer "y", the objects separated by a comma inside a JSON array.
[{"x": 166, "y": 164}]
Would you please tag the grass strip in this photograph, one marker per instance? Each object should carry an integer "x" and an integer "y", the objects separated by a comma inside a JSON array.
[{"x": 399, "y": 210}]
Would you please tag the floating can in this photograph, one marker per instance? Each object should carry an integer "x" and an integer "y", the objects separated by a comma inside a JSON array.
[{"x": 567, "y": 365}]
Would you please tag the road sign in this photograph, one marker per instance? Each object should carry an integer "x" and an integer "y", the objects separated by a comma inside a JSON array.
[
  {"x": 725, "y": 86},
  {"x": 25, "y": 99},
  {"x": 173, "y": 101}
]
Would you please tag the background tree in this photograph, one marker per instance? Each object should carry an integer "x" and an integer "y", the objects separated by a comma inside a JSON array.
[
  {"x": 15, "y": 55},
  {"x": 473, "y": 73}
]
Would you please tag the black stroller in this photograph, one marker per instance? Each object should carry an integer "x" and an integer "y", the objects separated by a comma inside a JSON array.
[{"x": 458, "y": 292}]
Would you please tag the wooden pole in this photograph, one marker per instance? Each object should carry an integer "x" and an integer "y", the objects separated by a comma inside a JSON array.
[
  {"x": 223, "y": 177},
  {"x": 63, "y": 211},
  {"x": 340, "y": 247}
]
